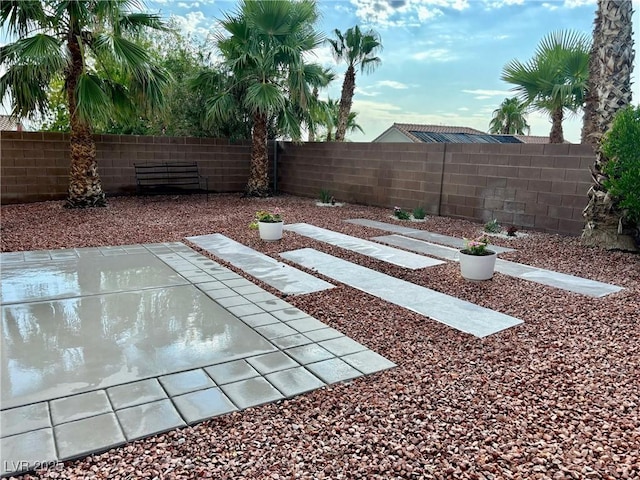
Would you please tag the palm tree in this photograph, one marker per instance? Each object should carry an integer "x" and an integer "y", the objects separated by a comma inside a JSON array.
[
  {"x": 264, "y": 44},
  {"x": 317, "y": 110},
  {"x": 77, "y": 41},
  {"x": 331, "y": 118},
  {"x": 611, "y": 64},
  {"x": 356, "y": 48},
  {"x": 509, "y": 118},
  {"x": 554, "y": 80}
]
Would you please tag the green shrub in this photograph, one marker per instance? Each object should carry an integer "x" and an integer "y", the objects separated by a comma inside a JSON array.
[
  {"x": 492, "y": 226},
  {"x": 621, "y": 145},
  {"x": 325, "y": 196},
  {"x": 419, "y": 213},
  {"x": 401, "y": 214}
]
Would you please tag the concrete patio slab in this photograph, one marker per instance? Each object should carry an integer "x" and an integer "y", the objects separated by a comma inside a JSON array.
[
  {"x": 364, "y": 247},
  {"x": 571, "y": 283},
  {"x": 136, "y": 347},
  {"x": 148, "y": 419},
  {"x": 459, "y": 314},
  {"x": 279, "y": 275},
  {"x": 294, "y": 381},
  {"x": 455, "y": 242}
]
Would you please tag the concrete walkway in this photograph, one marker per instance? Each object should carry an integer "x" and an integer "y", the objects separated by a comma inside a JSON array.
[
  {"x": 280, "y": 276},
  {"x": 102, "y": 346},
  {"x": 455, "y": 242},
  {"x": 459, "y": 314},
  {"x": 364, "y": 247},
  {"x": 550, "y": 278}
]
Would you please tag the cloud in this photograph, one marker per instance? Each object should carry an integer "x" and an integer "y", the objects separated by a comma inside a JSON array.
[
  {"x": 193, "y": 23},
  {"x": 578, "y": 3},
  {"x": 188, "y": 5},
  {"x": 403, "y": 13},
  {"x": 463, "y": 109},
  {"x": 495, "y": 4},
  {"x": 322, "y": 55},
  {"x": 392, "y": 84},
  {"x": 489, "y": 93},
  {"x": 362, "y": 91},
  {"x": 435, "y": 55}
]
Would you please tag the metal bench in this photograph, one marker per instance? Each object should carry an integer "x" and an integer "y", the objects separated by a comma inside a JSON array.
[{"x": 161, "y": 178}]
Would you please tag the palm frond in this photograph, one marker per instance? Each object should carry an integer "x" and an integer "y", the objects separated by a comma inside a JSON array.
[
  {"x": 264, "y": 98},
  {"x": 220, "y": 107},
  {"x": 92, "y": 101},
  {"x": 21, "y": 17}
]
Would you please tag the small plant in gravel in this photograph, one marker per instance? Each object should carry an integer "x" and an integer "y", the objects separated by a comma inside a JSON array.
[
  {"x": 511, "y": 231},
  {"x": 477, "y": 246},
  {"x": 492, "y": 226},
  {"x": 419, "y": 213},
  {"x": 325, "y": 196},
  {"x": 401, "y": 214},
  {"x": 266, "y": 217}
]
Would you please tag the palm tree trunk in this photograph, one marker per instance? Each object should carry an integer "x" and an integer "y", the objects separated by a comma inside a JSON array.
[
  {"x": 312, "y": 124},
  {"x": 346, "y": 100},
  {"x": 85, "y": 187},
  {"x": 556, "y": 135},
  {"x": 613, "y": 55},
  {"x": 258, "y": 184},
  {"x": 590, "y": 122}
]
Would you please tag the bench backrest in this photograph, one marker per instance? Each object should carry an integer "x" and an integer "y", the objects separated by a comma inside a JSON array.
[{"x": 167, "y": 173}]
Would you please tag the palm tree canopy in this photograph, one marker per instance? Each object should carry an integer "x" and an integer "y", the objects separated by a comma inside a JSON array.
[
  {"x": 556, "y": 77},
  {"x": 115, "y": 71},
  {"x": 355, "y": 47},
  {"x": 510, "y": 118},
  {"x": 264, "y": 45}
]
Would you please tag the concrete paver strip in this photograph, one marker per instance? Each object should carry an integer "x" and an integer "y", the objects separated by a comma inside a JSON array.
[
  {"x": 420, "y": 234},
  {"x": 279, "y": 275},
  {"x": 459, "y": 314},
  {"x": 365, "y": 247},
  {"x": 571, "y": 283}
]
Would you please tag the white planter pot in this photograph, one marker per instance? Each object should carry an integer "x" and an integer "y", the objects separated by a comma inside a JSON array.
[
  {"x": 477, "y": 267},
  {"x": 270, "y": 232}
]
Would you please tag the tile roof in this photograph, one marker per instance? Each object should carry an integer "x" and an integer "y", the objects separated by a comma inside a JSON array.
[
  {"x": 435, "y": 128},
  {"x": 420, "y": 133},
  {"x": 8, "y": 123},
  {"x": 533, "y": 139}
]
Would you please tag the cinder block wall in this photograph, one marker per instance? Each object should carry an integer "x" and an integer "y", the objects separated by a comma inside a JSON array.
[
  {"x": 543, "y": 187},
  {"x": 402, "y": 174},
  {"x": 34, "y": 166},
  {"x": 537, "y": 186}
]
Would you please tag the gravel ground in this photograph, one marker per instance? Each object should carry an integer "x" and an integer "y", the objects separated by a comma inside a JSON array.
[{"x": 557, "y": 397}]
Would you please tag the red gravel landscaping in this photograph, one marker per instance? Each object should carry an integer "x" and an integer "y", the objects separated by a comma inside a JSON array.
[{"x": 557, "y": 397}]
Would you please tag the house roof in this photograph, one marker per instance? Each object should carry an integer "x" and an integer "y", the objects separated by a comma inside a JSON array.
[
  {"x": 533, "y": 139},
  {"x": 451, "y": 134},
  {"x": 408, "y": 128},
  {"x": 430, "y": 137},
  {"x": 8, "y": 123}
]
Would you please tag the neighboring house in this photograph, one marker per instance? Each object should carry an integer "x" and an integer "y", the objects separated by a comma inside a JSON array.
[
  {"x": 407, "y": 132},
  {"x": 9, "y": 123}
]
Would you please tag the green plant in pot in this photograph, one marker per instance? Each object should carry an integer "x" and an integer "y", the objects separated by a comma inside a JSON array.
[
  {"x": 477, "y": 262},
  {"x": 269, "y": 224}
]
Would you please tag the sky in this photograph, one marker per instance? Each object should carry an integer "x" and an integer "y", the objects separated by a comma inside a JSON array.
[{"x": 441, "y": 59}]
